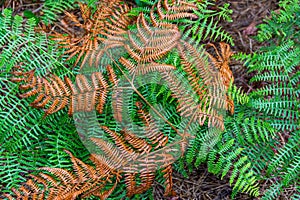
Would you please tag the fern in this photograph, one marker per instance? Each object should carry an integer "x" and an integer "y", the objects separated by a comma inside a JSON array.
[
  {"x": 202, "y": 26},
  {"x": 282, "y": 25},
  {"x": 108, "y": 21},
  {"x": 22, "y": 128},
  {"x": 192, "y": 101},
  {"x": 51, "y": 9},
  {"x": 276, "y": 69},
  {"x": 206, "y": 26}
]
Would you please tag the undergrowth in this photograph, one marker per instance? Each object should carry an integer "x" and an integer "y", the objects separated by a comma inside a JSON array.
[{"x": 52, "y": 78}]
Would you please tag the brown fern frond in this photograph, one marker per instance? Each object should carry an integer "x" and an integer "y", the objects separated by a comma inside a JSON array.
[
  {"x": 54, "y": 94},
  {"x": 206, "y": 99},
  {"x": 143, "y": 69},
  {"x": 221, "y": 61},
  {"x": 168, "y": 181},
  {"x": 127, "y": 151},
  {"x": 83, "y": 170},
  {"x": 116, "y": 160},
  {"x": 151, "y": 131},
  {"x": 130, "y": 183},
  {"x": 139, "y": 144},
  {"x": 146, "y": 174},
  {"x": 150, "y": 44},
  {"x": 85, "y": 181},
  {"x": 174, "y": 10},
  {"x": 130, "y": 155},
  {"x": 44, "y": 179},
  {"x": 103, "y": 194},
  {"x": 63, "y": 175},
  {"x": 109, "y": 19},
  {"x": 101, "y": 165},
  {"x": 111, "y": 75},
  {"x": 120, "y": 161},
  {"x": 179, "y": 11},
  {"x": 179, "y": 5}
]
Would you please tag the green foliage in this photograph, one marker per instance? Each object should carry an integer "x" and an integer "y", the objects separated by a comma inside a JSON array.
[
  {"x": 27, "y": 141},
  {"x": 52, "y": 8},
  {"x": 276, "y": 69},
  {"x": 276, "y": 101},
  {"x": 205, "y": 28},
  {"x": 285, "y": 165},
  {"x": 251, "y": 148},
  {"x": 229, "y": 151},
  {"x": 283, "y": 25}
]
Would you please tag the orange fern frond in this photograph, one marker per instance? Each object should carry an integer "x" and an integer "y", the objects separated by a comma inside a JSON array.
[
  {"x": 126, "y": 151},
  {"x": 108, "y": 20},
  {"x": 221, "y": 61},
  {"x": 150, "y": 44},
  {"x": 111, "y": 75},
  {"x": 54, "y": 94},
  {"x": 85, "y": 181},
  {"x": 170, "y": 11},
  {"x": 130, "y": 155},
  {"x": 206, "y": 97},
  {"x": 147, "y": 176},
  {"x": 142, "y": 69},
  {"x": 168, "y": 181},
  {"x": 116, "y": 159},
  {"x": 139, "y": 144},
  {"x": 151, "y": 131}
]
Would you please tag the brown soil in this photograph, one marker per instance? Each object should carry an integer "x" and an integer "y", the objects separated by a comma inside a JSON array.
[{"x": 201, "y": 185}]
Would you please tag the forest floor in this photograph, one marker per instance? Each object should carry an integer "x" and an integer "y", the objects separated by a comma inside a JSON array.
[{"x": 201, "y": 185}]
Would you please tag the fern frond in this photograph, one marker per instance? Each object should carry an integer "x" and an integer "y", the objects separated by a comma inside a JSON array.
[
  {"x": 278, "y": 25},
  {"x": 242, "y": 174},
  {"x": 207, "y": 92},
  {"x": 278, "y": 97},
  {"x": 54, "y": 94},
  {"x": 152, "y": 132},
  {"x": 65, "y": 185},
  {"x": 284, "y": 154},
  {"x": 109, "y": 20}
]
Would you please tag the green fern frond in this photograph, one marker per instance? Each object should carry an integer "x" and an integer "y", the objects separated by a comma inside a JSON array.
[
  {"x": 236, "y": 94},
  {"x": 282, "y": 25},
  {"x": 23, "y": 129},
  {"x": 297, "y": 194},
  {"x": 51, "y": 9},
  {"x": 292, "y": 171},
  {"x": 273, "y": 192},
  {"x": 290, "y": 150},
  {"x": 276, "y": 68},
  {"x": 224, "y": 157}
]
